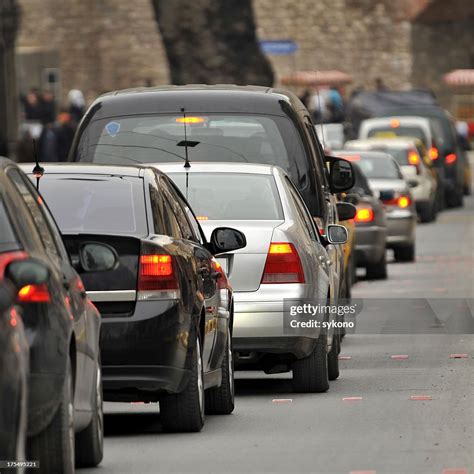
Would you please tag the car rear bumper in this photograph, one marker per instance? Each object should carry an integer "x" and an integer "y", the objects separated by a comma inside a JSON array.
[
  {"x": 370, "y": 244},
  {"x": 400, "y": 228},
  {"x": 147, "y": 351}
]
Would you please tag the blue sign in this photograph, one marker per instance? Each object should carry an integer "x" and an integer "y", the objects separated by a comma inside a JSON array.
[{"x": 278, "y": 47}]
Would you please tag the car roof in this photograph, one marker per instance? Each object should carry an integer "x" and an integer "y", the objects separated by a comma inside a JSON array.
[
  {"x": 197, "y": 98},
  {"x": 403, "y": 119},
  {"x": 87, "y": 168},
  {"x": 395, "y": 142},
  {"x": 213, "y": 167}
]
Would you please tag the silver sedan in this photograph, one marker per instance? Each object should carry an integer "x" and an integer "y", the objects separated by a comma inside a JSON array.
[{"x": 284, "y": 260}]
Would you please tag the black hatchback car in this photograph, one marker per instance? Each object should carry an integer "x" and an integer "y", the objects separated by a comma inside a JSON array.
[
  {"x": 220, "y": 124},
  {"x": 62, "y": 328},
  {"x": 166, "y": 332}
]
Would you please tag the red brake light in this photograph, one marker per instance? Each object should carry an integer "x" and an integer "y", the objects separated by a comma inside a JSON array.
[
  {"x": 157, "y": 273},
  {"x": 434, "y": 153},
  {"x": 451, "y": 158},
  {"x": 364, "y": 214},
  {"x": 34, "y": 294},
  {"x": 413, "y": 158},
  {"x": 395, "y": 123},
  {"x": 283, "y": 264},
  {"x": 404, "y": 202}
]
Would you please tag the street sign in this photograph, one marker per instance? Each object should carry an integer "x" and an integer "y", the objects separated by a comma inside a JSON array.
[{"x": 278, "y": 47}]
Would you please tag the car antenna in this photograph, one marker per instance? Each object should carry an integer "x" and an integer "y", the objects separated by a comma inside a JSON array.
[{"x": 38, "y": 170}]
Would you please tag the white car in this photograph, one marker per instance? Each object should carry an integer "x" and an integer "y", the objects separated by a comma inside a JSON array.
[{"x": 411, "y": 156}]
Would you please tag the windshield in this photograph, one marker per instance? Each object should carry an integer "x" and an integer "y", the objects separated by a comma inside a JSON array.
[
  {"x": 401, "y": 131},
  {"x": 231, "y": 196},
  {"x": 379, "y": 168},
  {"x": 217, "y": 137},
  {"x": 96, "y": 204}
]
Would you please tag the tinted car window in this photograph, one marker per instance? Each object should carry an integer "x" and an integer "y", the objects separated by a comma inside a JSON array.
[
  {"x": 32, "y": 202},
  {"x": 231, "y": 196},
  {"x": 379, "y": 168},
  {"x": 242, "y": 138},
  {"x": 95, "y": 203},
  {"x": 8, "y": 239}
]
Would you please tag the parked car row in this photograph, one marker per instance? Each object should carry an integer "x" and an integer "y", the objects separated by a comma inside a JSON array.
[{"x": 187, "y": 229}]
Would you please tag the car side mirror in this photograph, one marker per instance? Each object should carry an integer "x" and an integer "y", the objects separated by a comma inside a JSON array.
[
  {"x": 7, "y": 295},
  {"x": 27, "y": 272},
  {"x": 337, "y": 234},
  {"x": 341, "y": 174},
  {"x": 345, "y": 211},
  {"x": 97, "y": 257},
  {"x": 226, "y": 239}
]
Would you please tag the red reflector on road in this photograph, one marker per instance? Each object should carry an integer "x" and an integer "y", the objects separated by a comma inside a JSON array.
[
  {"x": 352, "y": 399},
  {"x": 399, "y": 357},
  {"x": 345, "y": 357},
  {"x": 282, "y": 400},
  {"x": 458, "y": 356},
  {"x": 420, "y": 397}
]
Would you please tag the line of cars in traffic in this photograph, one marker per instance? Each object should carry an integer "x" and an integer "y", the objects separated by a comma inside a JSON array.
[
  {"x": 126, "y": 294},
  {"x": 187, "y": 217}
]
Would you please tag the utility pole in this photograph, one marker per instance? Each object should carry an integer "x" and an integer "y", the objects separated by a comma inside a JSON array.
[{"x": 9, "y": 21}]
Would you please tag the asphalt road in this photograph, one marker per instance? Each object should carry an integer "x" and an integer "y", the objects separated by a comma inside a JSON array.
[{"x": 383, "y": 432}]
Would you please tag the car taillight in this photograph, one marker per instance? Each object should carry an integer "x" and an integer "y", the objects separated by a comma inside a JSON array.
[
  {"x": 401, "y": 201},
  {"x": 157, "y": 277},
  {"x": 222, "y": 281},
  {"x": 364, "y": 214},
  {"x": 434, "y": 153},
  {"x": 283, "y": 264},
  {"x": 34, "y": 294},
  {"x": 450, "y": 159}
]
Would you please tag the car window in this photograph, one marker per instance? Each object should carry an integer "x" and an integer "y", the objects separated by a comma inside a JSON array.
[
  {"x": 33, "y": 203},
  {"x": 381, "y": 131},
  {"x": 172, "y": 226},
  {"x": 303, "y": 211},
  {"x": 184, "y": 225},
  {"x": 8, "y": 238},
  {"x": 380, "y": 168},
  {"x": 232, "y": 196}
]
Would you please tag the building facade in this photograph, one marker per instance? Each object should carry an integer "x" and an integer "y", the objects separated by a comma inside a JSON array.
[{"x": 101, "y": 45}]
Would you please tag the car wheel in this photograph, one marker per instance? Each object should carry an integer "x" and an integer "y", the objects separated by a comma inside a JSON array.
[
  {"x": 377, "y": 270},
  {"x": 220, "y": 400},
  {"x": 405, "y": 254},
  {"x": 456, "y": 198},
  {"x": 333, "y": 358},
  {"x": 54, "y": 446},
  {"x": 311, "y": 373},
  {"x": 90, "y": 442},
  {"x": 427, "y": 213},
  {"x": 185, "y": 411}
]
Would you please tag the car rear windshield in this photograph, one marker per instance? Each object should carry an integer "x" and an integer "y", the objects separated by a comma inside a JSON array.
[
  {"x": 244, "y": 138},
  {"x": 8, "y": 239},
  {"x": 402, "y": 131},
  {"x": 231, "y": 196},
  {"x": 96, "y": 204},
  {"x": 379, "y": 168},
  {"x": 400, "y": 154}
]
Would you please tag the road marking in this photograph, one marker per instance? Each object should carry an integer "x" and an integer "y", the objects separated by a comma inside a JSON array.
[
  {"x": 282, "y": 400},
  {"x": 458, "y": 356},
  {"x": 345, "y": 357},
  {"x": 420, "y": 397},
  {"x": 399, "y": 357},
  {"x": 351, "y": 399},
  {"x": 455, "y": 471}
]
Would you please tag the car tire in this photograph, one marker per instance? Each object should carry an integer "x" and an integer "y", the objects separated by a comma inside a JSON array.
[
  {"x": 90, "y": 442},
  {"x": 311, "y": 373},
  {"x": 405, "y": 254},
  {"x": 377, "y": 270},
  {"x": 456, "y": 198},
  {"x": 428, "y": 213},
  {"x": 54, "y": 446},
  {"x": 220, "y": 400},
  {"x": 333, "y": 358},
  {"x": 184, "y": 411}
]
